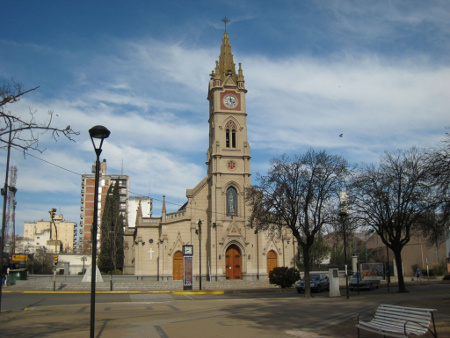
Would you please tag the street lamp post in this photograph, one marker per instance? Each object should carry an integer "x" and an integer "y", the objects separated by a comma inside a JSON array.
[
  {"x": 4, "y": 192},
  {"x": 199, "y": 233},
  {"x": 84, "y": 259},
  {"x": 113, "y": 255},
  {"x": 343, "y": 213},
  {"x": 55, "y": 257},
  {"x": 96, "y": 133}
]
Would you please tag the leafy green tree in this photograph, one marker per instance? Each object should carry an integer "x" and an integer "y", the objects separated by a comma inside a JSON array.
[{"x": 111, "y": 255}]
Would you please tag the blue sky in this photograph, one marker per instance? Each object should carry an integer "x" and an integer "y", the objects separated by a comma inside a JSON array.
[{"x": 375, "y": 71}]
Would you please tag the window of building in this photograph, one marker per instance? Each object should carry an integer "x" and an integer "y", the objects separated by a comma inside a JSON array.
[
  {"x": 230, "y": 134},
  {"x": 232, "y": 202}
]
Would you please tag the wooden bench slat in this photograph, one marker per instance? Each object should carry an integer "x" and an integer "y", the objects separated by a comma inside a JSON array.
[
  {"x": 404, "y": 318},
  {"x": 395, "y": 326},
  {"x": 390, "y": 320},
  {"x": 407, "y": 308},
  {"x": 405, "y": 314},
  {"x": 377, "y": 330},
  {"x": 390, "y": 329}
]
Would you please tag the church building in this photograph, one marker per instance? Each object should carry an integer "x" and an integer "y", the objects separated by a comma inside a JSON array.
[{"x": 214, "y": 220}]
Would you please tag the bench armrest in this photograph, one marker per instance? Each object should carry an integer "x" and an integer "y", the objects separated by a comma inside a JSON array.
[
  {"x": 424, "y": 326},
  {"x": 364, "y": 314}
]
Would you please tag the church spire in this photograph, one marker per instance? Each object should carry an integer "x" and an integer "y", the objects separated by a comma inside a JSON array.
[
  {"x": 226, "y": 63},
  {"x": 164, "y": 204}
]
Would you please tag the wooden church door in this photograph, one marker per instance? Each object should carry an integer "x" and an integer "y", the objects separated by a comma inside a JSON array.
[
  {"x": 178, "y": 266},
  {"x": 233, "y": 263},
  {"x": 271, "y": 261}
]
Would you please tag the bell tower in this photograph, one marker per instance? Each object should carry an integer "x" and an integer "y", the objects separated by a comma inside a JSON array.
[{"x": 228, "y": 155}]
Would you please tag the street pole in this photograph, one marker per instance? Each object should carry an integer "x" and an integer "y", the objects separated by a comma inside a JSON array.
[
  {"x": 4, "y": 192},
  {"x": 388, "y": 272},
  {"x": 343, "y": 216},
  {"x": 200, "y": 252},
  {"x": 97, "y": 132},
  {"x": 112, "y": 254},
  {"x": 343, "y": 213},
  {"x": 55, "y": 257}
]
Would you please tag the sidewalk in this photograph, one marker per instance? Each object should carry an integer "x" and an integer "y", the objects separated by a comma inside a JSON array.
[
  {"x": 346, "y": 329},
  {"x": 174, "y": 314}
]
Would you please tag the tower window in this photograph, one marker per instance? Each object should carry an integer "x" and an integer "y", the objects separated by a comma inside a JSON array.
[
  {"x": 230, "y": 134},
  {"x": 232, "y": 202}
]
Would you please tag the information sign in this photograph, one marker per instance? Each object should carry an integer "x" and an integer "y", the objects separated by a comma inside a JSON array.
[
  {"x": 20, "y": 258},
  {"x": 187, "y": 272}
]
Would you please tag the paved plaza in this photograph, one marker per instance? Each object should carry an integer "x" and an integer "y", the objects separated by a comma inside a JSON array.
[{"x": 267, "y": 312}]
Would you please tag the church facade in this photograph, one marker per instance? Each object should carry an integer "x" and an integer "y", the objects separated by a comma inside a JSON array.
[{"x": 214, "y": 220}]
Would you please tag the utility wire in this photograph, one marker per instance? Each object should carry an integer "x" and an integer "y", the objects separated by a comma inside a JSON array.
[{"x": 78, "y": 174}]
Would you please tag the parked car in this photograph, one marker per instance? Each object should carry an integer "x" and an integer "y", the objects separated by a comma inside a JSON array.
[
  {"x": 318, "y": 282},
  {"x": 369, "y": 284}
]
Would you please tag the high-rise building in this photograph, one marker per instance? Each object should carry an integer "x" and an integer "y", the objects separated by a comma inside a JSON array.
[{"x": 87, "y": 201}]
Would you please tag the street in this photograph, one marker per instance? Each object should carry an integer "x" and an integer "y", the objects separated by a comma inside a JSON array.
[
  {"x": 280, "y": 314},
  {"x": 21, "y": 300}
]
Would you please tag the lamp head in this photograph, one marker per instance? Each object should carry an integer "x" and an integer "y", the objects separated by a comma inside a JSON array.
[{"x": 98, "y": 132}]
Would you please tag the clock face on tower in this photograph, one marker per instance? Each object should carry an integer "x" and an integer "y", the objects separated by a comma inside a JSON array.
[{"x": 230, "y": 101}]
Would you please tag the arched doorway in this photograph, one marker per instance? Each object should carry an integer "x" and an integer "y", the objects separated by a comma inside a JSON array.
[
  {"x": 233, "y": 263},
  {"x": 178, "y": 266},
  {"x": 271, "y": 261}
]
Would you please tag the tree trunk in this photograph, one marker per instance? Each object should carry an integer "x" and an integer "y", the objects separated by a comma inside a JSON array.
[
  {"x": 399, "y": 263},
  {"x": 306, "y": 260}
]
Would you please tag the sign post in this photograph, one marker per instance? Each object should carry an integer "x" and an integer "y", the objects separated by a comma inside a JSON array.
[{"x": 188, "y": 252}]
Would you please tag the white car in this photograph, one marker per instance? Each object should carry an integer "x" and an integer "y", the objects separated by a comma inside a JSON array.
[{"x": 369, "y": 284}]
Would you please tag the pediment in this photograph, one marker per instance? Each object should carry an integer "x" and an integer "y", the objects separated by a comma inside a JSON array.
[
  {"x": 229, "y": 82},
  {"x": 234, "y": 231}
]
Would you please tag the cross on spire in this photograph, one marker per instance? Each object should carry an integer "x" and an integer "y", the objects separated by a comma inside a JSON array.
[{"x": 225, "y": 21}]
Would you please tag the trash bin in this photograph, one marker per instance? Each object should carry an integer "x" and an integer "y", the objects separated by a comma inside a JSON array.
[
  {"x": 16, "y": 274},
  {"x": 23, "y": 274},
  {"x": 12, "y": 277}
]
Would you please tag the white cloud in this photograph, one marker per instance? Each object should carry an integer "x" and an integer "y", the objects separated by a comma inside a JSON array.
[
  {"x": 383, "y": 84},
  {"x": 374, "y": 102}
]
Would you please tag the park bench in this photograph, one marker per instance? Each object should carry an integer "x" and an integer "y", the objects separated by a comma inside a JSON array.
[{"x": 399, "y": 321}]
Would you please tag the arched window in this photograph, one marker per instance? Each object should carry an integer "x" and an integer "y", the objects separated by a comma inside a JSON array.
[
  {"x": 230, "y": 134},
  {"x": 232, "y": 202}
]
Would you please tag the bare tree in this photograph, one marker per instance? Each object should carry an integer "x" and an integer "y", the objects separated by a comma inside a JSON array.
[
  {"x": 22, "y": 131},
  {"x": 439, "y": 166},
  {"x": 301, "y": 195},
  {"x": 42, "y": 262},
  {"x": 392, "y": 198}
]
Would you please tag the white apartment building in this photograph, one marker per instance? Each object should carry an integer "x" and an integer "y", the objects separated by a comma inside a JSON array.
[{"x": 66, "y": 233}]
